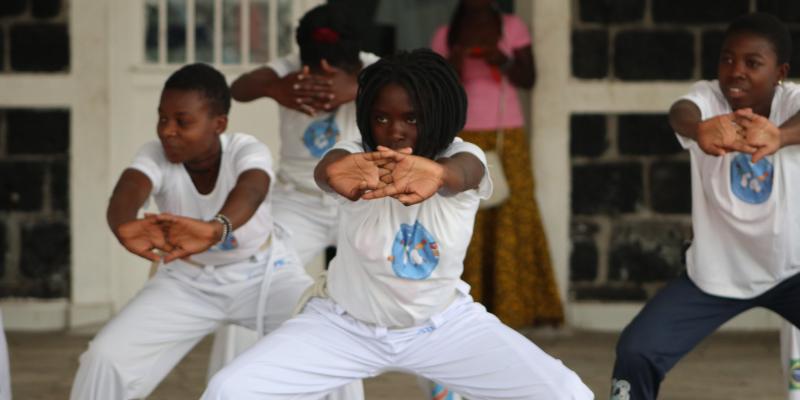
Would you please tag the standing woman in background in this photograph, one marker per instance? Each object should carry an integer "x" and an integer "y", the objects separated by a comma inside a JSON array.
[{"x": 508, "y": 261}]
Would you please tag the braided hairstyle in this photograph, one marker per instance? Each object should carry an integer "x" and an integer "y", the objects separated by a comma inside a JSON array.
[
  {"x": 328, "y": 32},
  {"x": 768, "y": 27},
  {"x": 432, "y": 84},
  {"x": 206, "y": 80}
]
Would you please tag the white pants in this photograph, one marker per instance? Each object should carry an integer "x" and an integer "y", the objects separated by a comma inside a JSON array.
[
  {"x": 790, "y": 357},
  {"x": 464, "y": 348},
  {"x": 5, "y": 371},
  {"x": 176, "y": 308},
  {"x": 311, "y": 221},
  {"x": 311, "y": 224}
]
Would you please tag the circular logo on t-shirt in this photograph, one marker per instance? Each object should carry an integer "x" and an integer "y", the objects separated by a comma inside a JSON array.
[
  {"x": 751, "y": 183},
  {"x": 320, "y": 136},
  {"x": 415, "y": 253}
]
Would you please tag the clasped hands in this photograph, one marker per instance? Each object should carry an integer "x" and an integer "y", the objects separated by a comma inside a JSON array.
[
  {"x": 385, "y": 173},
  {"x": 167, "y": 236},
  {"x": 742, "y": 131},
  {"x": 320, "y": 91}
]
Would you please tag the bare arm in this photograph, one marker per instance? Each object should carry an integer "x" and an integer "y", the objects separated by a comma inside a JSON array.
[
  {"x": 298, "y": 90},
  {"x": 139, "y": 236},
  {"x": 521, "y": 68},
  {"x": 684, "y": 117},
  {"x": 716, "y": 136},
  {"x": 462, "y": 171},
  {"x": 129, "y": 195},
  {"x": 790, "y": 131}
]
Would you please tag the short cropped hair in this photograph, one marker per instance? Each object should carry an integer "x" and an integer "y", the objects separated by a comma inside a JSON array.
[
  {"x": 439, "y": 100},
  {"x": 206, "y": 80},
  {"x": 768, "y": 27},
  {"x": 328, "y": 32}
]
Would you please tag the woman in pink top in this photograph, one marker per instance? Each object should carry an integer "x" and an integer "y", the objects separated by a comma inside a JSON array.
[{"x": 508, "y": 261}]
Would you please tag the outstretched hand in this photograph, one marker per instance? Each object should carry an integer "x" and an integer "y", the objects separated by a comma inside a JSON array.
[
  {"x": 144, "y": 237},
  {"x": 759, "y": 133},
  {"x": 355, "y": 174},
  {"x": 411, "y": 179},
  {"x": 722, "y": 134}
]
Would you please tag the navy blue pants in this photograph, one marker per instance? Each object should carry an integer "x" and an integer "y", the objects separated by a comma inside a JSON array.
[{"x": 676, "y": 320}]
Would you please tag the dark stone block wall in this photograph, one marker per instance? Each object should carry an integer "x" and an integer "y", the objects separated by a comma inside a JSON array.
[
  {"x": 631, "y": 205},
  {"x": 34, "y": 36},
  {"x": 662, "y": 40},
  {"x": 631, "y": 185},
  {"x": 34, "y": 203}
]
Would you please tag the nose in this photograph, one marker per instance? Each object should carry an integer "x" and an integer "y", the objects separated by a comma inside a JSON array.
[
  {"x": 396, "y": 130},
  {"x": 167, "y": 129},
  {"x": 738, "y": 69}
]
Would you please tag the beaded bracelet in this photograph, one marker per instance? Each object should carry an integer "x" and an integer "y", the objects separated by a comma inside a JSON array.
[{"x": 227, "y": 227}]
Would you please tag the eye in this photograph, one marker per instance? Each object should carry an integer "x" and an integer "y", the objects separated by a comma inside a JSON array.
[
  {"x": 162, "y": 120},
  {"x": 381, "y": 119},
  {"x": 411, "y": 120},
  {"x": 753, "y": 64},
  {"x": 726, "y": 60},
  {"x": 183, "y": 123}
]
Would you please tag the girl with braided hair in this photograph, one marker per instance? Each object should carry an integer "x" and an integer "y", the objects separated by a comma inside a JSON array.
[{"x": 393, "y": 299}]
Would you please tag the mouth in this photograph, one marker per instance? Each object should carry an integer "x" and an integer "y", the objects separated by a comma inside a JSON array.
[{"x": 735, "y": 92}]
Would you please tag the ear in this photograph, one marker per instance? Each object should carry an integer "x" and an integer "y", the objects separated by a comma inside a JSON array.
[
  {"x": 784, "y": 71},
  {"x": 220, "y": 124}
]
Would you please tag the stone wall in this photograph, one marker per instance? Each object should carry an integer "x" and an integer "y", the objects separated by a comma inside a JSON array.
[{"x": 631, "y": 200}]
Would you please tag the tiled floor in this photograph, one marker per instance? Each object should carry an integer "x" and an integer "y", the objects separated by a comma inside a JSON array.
[{"x": 726, "y": 366}]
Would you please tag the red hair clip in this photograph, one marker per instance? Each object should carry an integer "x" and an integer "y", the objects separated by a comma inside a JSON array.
[{"x": 325, "y": 35}]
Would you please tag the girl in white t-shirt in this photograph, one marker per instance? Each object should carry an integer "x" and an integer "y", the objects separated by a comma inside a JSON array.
[
  {"x": 393, "y": 298},
  {"x": 314, "y": 89},
  {"x": 741, "y": 132}
]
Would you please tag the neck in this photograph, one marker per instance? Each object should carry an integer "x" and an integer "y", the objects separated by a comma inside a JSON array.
[{"x": 205, "y": 165}]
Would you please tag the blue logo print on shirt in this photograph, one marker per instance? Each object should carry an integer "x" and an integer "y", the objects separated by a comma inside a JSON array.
[
  {"x": 229, "y": 244},
  {"x": 321, "y": 135},
  {"x": 415, "y": 253},
  {"x": 751, "y": 183}
]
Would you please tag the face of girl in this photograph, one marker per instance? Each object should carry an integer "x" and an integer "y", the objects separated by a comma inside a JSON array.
[
  {"x": 748, "y": 72},
  {"x": 393, "y": 118},
  {"x": 188, "y": 131}
]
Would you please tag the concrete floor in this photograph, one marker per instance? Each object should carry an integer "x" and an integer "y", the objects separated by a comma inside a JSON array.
[{"x": 725, "y": 366}]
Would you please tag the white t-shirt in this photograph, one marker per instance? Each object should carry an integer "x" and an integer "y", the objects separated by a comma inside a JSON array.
[
  {"x": 396, "y": 265},
  {"x": 174, "y": 192},
  {"x": 304, "y": 139},
  {"x": 745, "y": 216}
]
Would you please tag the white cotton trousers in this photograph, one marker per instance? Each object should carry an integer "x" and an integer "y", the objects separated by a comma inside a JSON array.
[
  {"x": 5, "y": 370},
  {"x": 464, "y": 348},
  {"x": 310, "y": 222},
  {"x": 176, "y": 308}
]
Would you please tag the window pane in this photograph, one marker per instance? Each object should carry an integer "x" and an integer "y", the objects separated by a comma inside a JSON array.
[
  {"x": 231, "y": 53},
  {"x": 204, "y": 31},
  {"x": 176, "y": 31},
  {"x": 151, "y": 31},
  {"x": 259, "y": 31},
  {"x": 285, "y": 27}
]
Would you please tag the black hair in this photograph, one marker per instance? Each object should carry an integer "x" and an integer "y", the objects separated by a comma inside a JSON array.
[
  {"x": 206, "y": 80},
  {"x": 768, "y": 27},
  {"x": 339, "y": 43},
  {"x": 438, "y": 98},
  {"x": 458, "y": 16}
]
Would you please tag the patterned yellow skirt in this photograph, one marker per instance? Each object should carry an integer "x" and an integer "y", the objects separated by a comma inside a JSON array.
[{"x": 508, "y": 262}]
